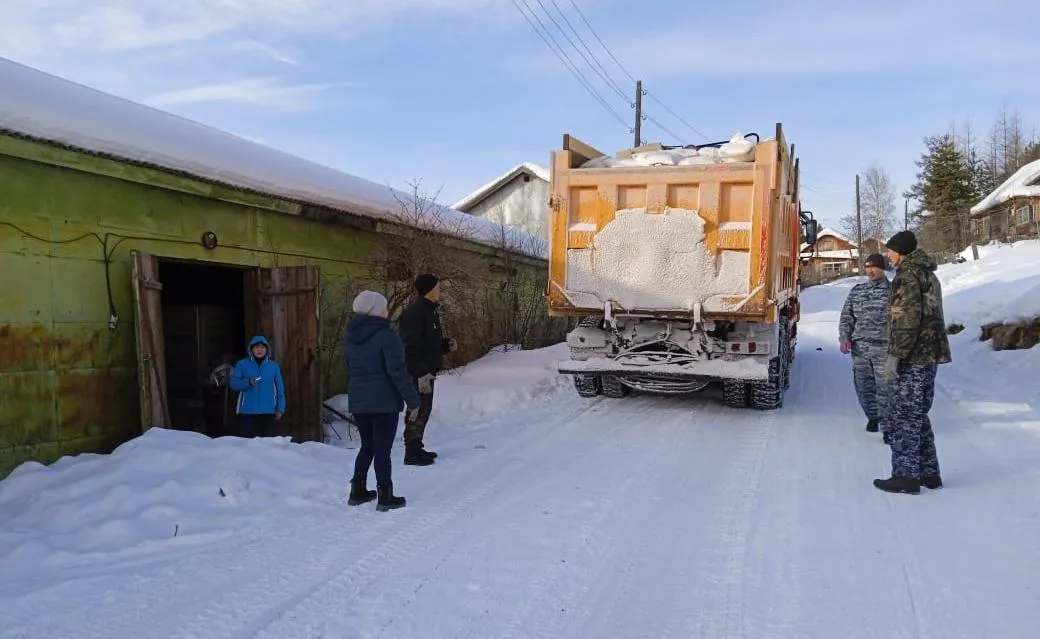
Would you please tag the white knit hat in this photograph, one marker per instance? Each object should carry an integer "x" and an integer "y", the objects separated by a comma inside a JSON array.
[{"x": 369, "y": 303}]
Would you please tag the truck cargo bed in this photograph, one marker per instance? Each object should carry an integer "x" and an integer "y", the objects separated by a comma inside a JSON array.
[{"x": 719, "y": 240}]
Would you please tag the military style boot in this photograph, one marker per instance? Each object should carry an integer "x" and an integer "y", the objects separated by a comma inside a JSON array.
[
  {"x": 387, "y": 500},
  {"x": 932, "y": 482},
  {"x": 904, "y": 485},
  {"x": 415, "y": 457},
  {"x": 872, "y": 426},
  {"x": 359, "y": 493}
]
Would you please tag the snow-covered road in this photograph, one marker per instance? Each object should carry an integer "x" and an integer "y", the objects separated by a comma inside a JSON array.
[{"x": 643, "y": 517}]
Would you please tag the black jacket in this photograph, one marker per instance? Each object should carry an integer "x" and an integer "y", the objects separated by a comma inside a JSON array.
[{"x": 424, "y": 343}]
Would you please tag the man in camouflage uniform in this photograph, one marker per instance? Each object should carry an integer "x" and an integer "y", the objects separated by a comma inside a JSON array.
[
  {"x": 917, "y": 344},
  {"x": 863, "y": 331}
]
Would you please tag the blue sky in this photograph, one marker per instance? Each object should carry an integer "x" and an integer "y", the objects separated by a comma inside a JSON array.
[{"x": 457, "y": 91}]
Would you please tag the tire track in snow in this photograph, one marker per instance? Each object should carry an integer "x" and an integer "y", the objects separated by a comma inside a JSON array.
[
  {"x": 903, "y": 541},
  {"x": 679, "y": 616},
  {"x": 343, "y": 583},
  {"x": 550, "y": 598},
  {"x": 580, "y": 605},
  {"x": 621, "y": 592},
  {"x": 231, "y": 591},
  {"x": 732, "y": 529},
  {"x": 911, "y": 571}
]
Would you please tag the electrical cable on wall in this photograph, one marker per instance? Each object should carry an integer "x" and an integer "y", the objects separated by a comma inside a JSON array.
[{"x": 108, "y": 252}]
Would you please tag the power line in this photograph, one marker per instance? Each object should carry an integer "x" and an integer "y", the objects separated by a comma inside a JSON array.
[
  {"x": 602, "y": 44},
  {"x": 633, "y": 79},
  {"x": 602, "y": 71},
  {"x": 550, "y": 41},
  {"x": 676, "y": 116},
  {"x": 665, "y": 129}
]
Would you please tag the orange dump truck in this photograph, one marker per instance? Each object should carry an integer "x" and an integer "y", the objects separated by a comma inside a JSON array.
[{"x": 682, "y": 265}]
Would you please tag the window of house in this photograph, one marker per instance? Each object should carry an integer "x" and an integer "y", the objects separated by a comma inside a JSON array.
[
  {"x": 1024, "y": 214},
  {"x": 982, "y": 229},
  {"x": 833, "y": 268}
]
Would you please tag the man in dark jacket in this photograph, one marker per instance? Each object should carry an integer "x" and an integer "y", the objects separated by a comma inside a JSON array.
[
  {"x": 917, "y": 344},
  {"x": 425, "y": 347}
]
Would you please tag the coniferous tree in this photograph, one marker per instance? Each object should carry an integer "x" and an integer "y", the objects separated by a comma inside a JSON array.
[{"x": 945, "y": 190}]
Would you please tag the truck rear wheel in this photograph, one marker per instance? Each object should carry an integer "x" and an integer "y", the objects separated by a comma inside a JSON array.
[
  {"x": 587, "y": 385},
  {"x": 769, "y": 394},
  {"x": 736, "y": 393},
  {"x": 787, "y": 354},
  {"x": 612, "y": 387}
]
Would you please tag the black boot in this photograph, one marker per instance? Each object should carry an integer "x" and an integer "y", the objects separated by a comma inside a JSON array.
[
  {"x": 905, "y": 485},
  {"x": 932, "y": 482},
  {"x": 886, "y": 437},
  {"x": 872, "y": 426},
  {"x": 359, "y": 493},
  {"x": 387, "y": 500},
  {"x": 427, "y": 453},
  {"x": 415, "y": 457}
]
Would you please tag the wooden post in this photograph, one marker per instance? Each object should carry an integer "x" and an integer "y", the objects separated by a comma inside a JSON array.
[{"x": 859, "y": 229}]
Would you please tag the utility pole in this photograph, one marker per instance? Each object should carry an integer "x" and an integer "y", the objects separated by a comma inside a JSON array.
[
  {"x": 639, "y": 111},
  {"x": 906, "y": 214},
  {"x": 859, "y": 229}
]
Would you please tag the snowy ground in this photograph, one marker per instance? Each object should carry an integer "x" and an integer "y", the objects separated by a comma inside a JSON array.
[{"x": 559, "y": 517}]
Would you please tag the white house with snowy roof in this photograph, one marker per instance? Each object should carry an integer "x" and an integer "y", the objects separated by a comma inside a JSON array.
[
  {"x": 519, "y": 198},
  {"x": 1012, "y": 210}
]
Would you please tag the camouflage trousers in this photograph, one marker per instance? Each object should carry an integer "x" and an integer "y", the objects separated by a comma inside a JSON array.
[
  {"x": 913, "y": 442},
  {"x": 868, "y": 375}
]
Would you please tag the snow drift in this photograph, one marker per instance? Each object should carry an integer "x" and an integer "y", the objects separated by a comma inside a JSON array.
[
  {"x": 171, "y": 491},
  {"x": 480, "y": 392}
]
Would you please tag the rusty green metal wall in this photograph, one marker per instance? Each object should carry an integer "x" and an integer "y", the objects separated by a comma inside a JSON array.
[{"x": 67, "y": 380}]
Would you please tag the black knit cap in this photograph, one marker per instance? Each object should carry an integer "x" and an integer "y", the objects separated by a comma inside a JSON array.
[
  {"x": 876, "y": 260},
  {"x": 425, "y": 283},
  {"x": 903, "y": 242}
]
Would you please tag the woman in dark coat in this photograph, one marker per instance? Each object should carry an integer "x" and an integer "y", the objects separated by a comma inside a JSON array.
[{"x": 379, "y": 388}]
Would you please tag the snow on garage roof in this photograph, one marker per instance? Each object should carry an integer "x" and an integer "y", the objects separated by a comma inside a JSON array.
[
  {"x": 1024, "y": 182},
  {"x": 45, "y": 107},
  {"x": 538, "y": 171}
]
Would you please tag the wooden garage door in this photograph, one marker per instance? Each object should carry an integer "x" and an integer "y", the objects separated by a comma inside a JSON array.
[
  {"x": 282, "y": 305},
  {"x": 148, "y": 325}
]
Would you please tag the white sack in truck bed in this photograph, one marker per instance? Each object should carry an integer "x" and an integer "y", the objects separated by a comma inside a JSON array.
[{"x": 738, "y": 149}]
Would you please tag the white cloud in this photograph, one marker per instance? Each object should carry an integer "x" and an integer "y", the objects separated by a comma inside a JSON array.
[
  {"x": 261, "y": 91},
  {"x": 281, "y": 54},
  {"x": 31, "y": 28},
  {"x": 139, "y": 48}
]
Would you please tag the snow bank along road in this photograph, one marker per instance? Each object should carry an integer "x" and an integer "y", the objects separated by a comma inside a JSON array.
[{"x": 644, "y": 517}]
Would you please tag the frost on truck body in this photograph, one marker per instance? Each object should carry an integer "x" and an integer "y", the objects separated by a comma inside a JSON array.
[{"x": 655, "y": 262}]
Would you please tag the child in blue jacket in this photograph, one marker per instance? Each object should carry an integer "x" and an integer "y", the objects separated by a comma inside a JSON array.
[{"x": 261, "y": 393}]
